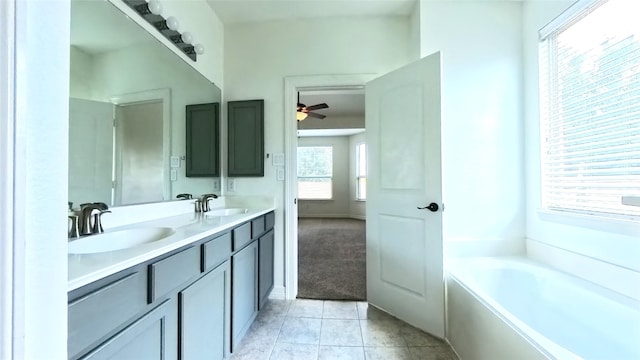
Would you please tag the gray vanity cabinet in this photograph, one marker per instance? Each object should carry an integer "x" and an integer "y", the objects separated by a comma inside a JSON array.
[
  {"x": 193, "y": 303},
  {"x": 244, "y": 294},
  {"x": 150, "y": 337},
  {"x": 246, "y": 138},
  {"x": 265, "y": 283},
  {"x": 204, "y": 313}
]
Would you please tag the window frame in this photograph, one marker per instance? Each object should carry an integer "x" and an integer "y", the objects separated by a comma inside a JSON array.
[
  {"x": 600, "y": 219},
  {"x": 359, "y": 176}
]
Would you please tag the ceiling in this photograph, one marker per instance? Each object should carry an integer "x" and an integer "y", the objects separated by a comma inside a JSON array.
[
  {"x": 97, "y": 26},
  {"x": 342, "y": 103},
  {"x": 243, "y": 11}
]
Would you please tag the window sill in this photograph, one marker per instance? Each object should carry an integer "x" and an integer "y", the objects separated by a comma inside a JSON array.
[
  {"x": 595, "y": 222},
  {"x": 360, "y": 200}
]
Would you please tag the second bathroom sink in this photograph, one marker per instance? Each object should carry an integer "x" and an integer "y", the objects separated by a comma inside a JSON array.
[{"x": 226, "y": 211}]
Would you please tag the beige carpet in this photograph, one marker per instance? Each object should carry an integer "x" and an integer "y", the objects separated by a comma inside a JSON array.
[{"x": 331, "y": 259}]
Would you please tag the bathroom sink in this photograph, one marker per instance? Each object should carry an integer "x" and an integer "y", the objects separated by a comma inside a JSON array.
[
  {"x": 226, "y": 211},
  {"x": 118, "y": 240}
]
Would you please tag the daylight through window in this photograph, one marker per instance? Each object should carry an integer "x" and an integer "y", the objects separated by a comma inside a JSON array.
[
  {"x": 315, "y": 171},
  {"x": 590, "y": 108},
  {"x": 361, "y": 172}
]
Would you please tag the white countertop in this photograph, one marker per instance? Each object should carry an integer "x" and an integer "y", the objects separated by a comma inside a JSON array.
[{"x": 189, "y": 228}]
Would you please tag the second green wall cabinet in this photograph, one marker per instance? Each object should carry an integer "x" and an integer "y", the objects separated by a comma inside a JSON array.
[{"x": 246, "y": 138}]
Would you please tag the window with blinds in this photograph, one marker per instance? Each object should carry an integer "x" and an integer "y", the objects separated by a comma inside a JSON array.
[
  {"x": 361, "y": 172},
  {"x": 590, "y": 108},
  {"x": 315, "y": 172}
]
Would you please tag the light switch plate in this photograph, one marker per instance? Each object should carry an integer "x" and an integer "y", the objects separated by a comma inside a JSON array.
[
  {"x": 175, "y": 162},
  {"x": 278, "y": 159}
]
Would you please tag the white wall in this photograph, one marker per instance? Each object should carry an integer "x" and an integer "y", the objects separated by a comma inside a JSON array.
[
  {"x": 81, "y": 73},
  {"x": 259, "y": 56},
  {"x": 196, "y": 17},
  {"x": 357, "y": 208},
  {"x": 333, "y": 122},
  {"x": 607, "y": 255},
  {"x": 110, "y": 77},
  {"x": 41, "y": 132},
  {"x": 339, "y": 205},
  {"x": 482, "y": 132}
]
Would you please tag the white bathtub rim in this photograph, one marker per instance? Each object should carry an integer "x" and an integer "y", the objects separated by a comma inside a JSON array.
[{"x": 546, "y": 347}]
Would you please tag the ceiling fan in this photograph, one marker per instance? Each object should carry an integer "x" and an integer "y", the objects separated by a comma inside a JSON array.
[{"x": 303, "y": 110}]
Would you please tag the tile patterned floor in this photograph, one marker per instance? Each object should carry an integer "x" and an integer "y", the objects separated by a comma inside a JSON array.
[{"x": 335, "y": 330}]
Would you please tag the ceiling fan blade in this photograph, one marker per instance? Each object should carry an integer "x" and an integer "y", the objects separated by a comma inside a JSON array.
[
  {"x": 317, "y": 116},
  {"x": 317, "y": 107}
]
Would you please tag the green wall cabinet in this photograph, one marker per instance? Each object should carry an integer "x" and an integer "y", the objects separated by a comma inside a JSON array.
[
  {"x": 203, "y": 140},
  {"x": 246, "y": 138}
]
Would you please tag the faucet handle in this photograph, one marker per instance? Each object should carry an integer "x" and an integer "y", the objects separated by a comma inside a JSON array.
[
  {"x": 97, "y": 222},
  {"x": 198, "y": 205}
]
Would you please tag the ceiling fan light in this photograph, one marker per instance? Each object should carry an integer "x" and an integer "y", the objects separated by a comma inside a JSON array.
[{"x": 300, "y": 116}]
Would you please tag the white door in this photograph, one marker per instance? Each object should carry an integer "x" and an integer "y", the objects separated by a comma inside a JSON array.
[
  {"x": 140, "y": 163},
  {"x": 90, "y": 151},
  {"x": 404, "y": 243}
]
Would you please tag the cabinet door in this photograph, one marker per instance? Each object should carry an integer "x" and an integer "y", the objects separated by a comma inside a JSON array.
[
  {"x": 203, "y": 144},
  {"x": 152, "y": 337},
  {"x": 244, "y": 294},
  {"x": 265, "y": 275},
  {"x": 205, "y": 314},
  {"x": 246, "y": 138}
]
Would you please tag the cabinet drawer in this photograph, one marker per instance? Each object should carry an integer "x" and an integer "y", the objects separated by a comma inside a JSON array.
[
  {"x": 269, "y": 220},
  {"x": 165, "y": 275},
  {"x": 216, "y": 251},
  {"x": 257, "y": 227},
  {"x": 98, "y": 313},
  {"x": 241, "y": 236}
]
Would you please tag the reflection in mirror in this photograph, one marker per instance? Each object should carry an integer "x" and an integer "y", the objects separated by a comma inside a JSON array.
[{"x": 127, "y": 111}]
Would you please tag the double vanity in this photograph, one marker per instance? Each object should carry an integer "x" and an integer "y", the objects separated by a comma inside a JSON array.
[{"x": 178, "y": 287}]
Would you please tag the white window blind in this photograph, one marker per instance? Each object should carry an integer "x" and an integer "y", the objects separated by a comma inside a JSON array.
[
  {"x": 361, "y": 172},
  {"x": 315, "y": 172},
  {"x": 590, "y": 110}
]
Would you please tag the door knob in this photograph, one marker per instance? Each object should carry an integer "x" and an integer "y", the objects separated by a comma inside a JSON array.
[{"x": 432, "y": 207}]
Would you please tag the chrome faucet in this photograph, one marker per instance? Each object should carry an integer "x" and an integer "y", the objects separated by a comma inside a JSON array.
[
  {"x": 204, "y": 202},
  {"x": 91, "y": 218}
]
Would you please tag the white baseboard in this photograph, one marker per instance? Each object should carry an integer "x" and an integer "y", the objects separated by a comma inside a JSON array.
[{"x": 277, "y": 293}]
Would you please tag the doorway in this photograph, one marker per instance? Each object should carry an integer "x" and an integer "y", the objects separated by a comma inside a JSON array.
[
  {"x": 331, "y": 215},
  {"x": 306, "y": 85}
]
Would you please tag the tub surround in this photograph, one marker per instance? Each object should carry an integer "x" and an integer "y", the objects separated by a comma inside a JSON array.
[
  {"x": 611, "y": 276},
  {"x": 189, "y": 227}
]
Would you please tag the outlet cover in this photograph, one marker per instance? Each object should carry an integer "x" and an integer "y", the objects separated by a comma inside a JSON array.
[{"x": 231, "y": 184}]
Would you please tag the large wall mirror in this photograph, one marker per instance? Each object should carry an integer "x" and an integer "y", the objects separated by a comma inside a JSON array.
[{"x": 128, "y": 94}]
